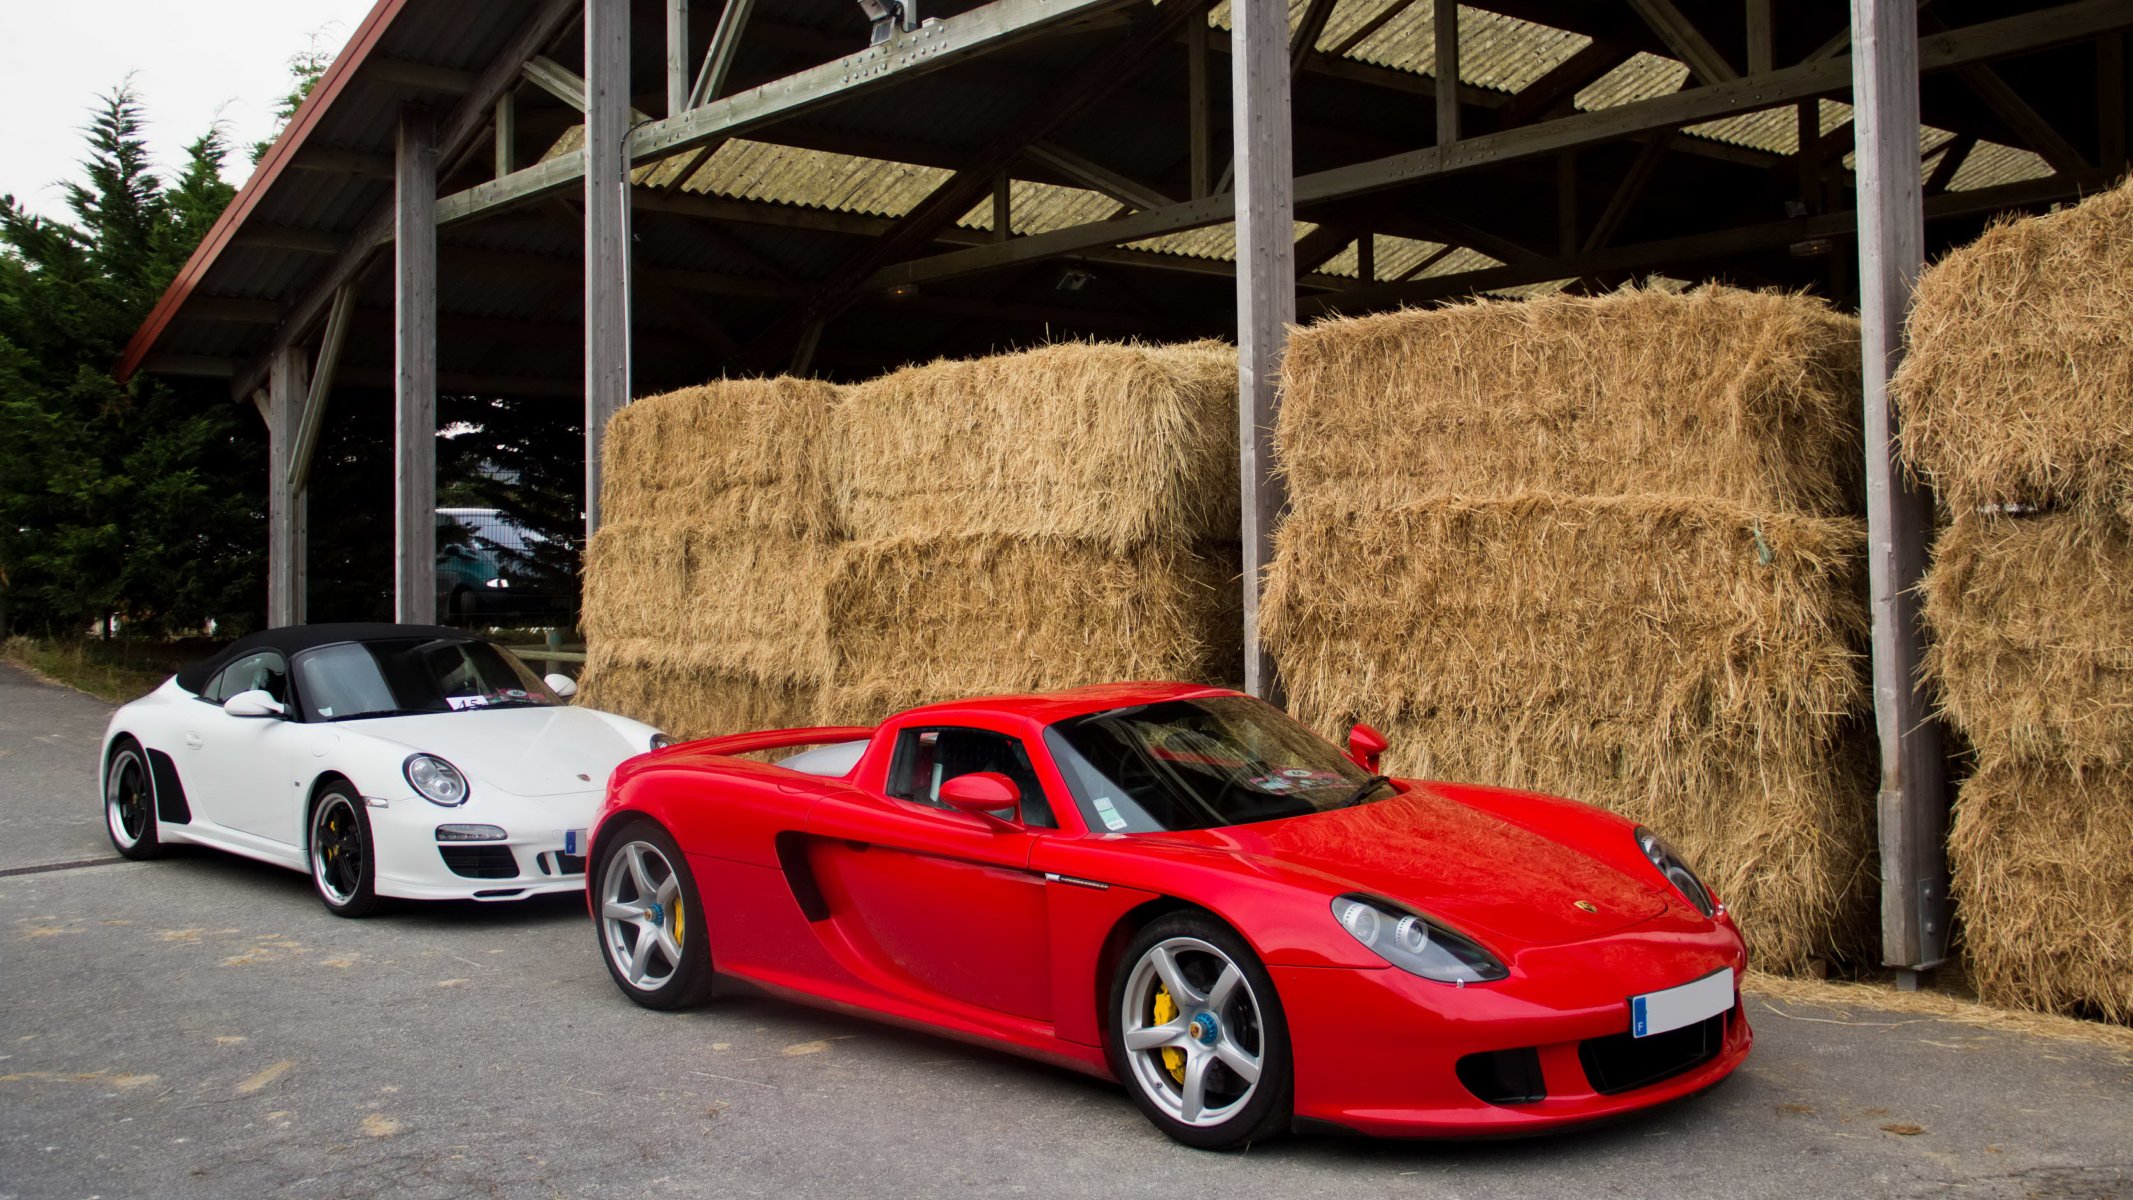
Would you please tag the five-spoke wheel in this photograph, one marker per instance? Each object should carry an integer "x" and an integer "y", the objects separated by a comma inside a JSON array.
[
  {"x": 342, "y": 866},
  {"x": 129, "y": 802},
  {"x": 1198, "y": 1036},
  {"x": 656, "y": 953}
]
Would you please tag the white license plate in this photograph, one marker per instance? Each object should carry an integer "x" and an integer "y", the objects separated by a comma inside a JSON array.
[
  {"x": 573, "y": 841},
  {"x": 1698, "y": 1000}
]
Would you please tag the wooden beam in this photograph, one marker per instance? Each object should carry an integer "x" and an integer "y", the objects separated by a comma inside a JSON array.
[
  {"x": 1003, "y": 207},
  {"x": 1955, "y": 152},
  {"x": 678, "y": 79},
  {"x": 468, "y": 120},
  {"x": 239, "y": 310},
  {"x": 1266, "y": 295},
  {"x": 1565, "y": 80},
  {"x": 311, "y": 422},
  {"x": 605, "y": 165},
  {"x": 415, "y": 371},
  {"x": 1366, "y": 258},
  {"x": 904, "y": 56},
  {"x": 1627, "y": 193},
  {"x": 283, "y": 237},
  {"x": 2028, "y": 124},
  {"x": 1304, "y": 43},
  {"x": 286, "y": 387},
  {"x": 1446, "y": 22},
  {"x": 1762, "y": 41},
  {"x": 1198, "y": 110},
  {"x": 1913, "y": 800},
  {"x": 1096, "y": 176},
  {"x": 2072, "y": 22},
  {"x": 1685, "y": 40},
  {"x": 327, "y": 160},
  {"x": 719, "y": 55},
  {"x": 568, "y": 86},
  {"x": 506, "y": 158}
]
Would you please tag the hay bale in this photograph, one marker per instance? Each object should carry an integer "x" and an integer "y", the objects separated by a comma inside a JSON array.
[
  {"x": 686, "y": 694},
  {"x": 1692, "y": 664},
  {"x": 2018, "y": 385},
  {"x": 2043, "y": 881},
  {"x": 2032, "y": 623},
  {"x": 915, "y": 620},
  {"x": 736, "y": 455},
  {"x": 1744, "y": 396},
  {"x": 1116, "y": 444},
  {"x": 749, "y": 604}
]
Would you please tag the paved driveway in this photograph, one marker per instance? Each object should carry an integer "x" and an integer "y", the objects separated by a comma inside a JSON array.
[{"x": 199, "y": 1026}]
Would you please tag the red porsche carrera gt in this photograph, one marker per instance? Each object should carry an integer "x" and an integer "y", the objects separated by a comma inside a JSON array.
[{"x": 1181, "y": 888}]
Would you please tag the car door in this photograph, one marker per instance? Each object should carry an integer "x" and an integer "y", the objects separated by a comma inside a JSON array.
[
  {"x": 236, "y": 769},
  {"x": 937, "y": 904}
]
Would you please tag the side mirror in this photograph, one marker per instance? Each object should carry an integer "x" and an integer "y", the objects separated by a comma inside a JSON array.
[
  {"x": 980, "y": 793},
  {"x": 254, "y": 703},
  {"x": 562, "y": 685},
  {"x": 1366, "y": 746}
]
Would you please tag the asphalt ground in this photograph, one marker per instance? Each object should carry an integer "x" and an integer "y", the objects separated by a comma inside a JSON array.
[{"x": 200, "y": 1026}]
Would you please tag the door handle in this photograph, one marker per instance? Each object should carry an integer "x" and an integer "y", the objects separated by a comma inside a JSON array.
[{"x": 192, "y": 740}]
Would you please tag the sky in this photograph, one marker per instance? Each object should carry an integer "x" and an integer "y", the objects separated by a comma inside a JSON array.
[{"x": 192, "y": 63}]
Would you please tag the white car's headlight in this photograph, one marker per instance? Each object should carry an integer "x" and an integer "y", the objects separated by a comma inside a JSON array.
[{"x": 436, "y": 780}]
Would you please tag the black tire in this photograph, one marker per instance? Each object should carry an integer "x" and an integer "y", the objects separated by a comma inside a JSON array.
[
  {"x": 130, "y": 802},
  {"x": 642, "y": 894},
  {"x": 342, "y": 854},
  {"x": 1243, "y": 1024}
]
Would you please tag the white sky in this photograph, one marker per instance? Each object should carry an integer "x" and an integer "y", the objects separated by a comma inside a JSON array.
[{"x": 192, "y": 63}]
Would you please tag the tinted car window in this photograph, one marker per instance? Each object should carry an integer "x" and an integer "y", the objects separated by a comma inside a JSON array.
[
  {"x": 927, "y": 758},
  {"x": 265, "y": 671},
  {"x": 1201, "y": 764},
  {"x": 401, "y": 676}
]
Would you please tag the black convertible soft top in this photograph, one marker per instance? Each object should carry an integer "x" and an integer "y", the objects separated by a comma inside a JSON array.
[{"x": 291, "y": 638}]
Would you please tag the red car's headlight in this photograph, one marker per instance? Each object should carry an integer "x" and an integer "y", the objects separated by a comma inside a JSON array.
[
  {"x": 1414, "y": 943},
  {"x": 1676, "y": 871}
]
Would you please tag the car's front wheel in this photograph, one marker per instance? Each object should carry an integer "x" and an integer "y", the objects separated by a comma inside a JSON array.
[
  {"x": 343, "y": 864},
  {"x": 130, "y": 802},
  {"x": 654, "y": 944},
  {"x": 1197, "y": 1034}
]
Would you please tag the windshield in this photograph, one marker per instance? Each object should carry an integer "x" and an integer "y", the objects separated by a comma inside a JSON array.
[
  {"x": 1201, "y": 764},
  {"x": 413, "y": 675}
]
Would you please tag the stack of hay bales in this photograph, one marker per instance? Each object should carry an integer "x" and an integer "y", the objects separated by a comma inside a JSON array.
[
  {"x": 1604, "y": 547},
  {"x": 2017, "y": 403},
  {"x": 703, "y": 588},
  {"x": 1034, "y": 520}
]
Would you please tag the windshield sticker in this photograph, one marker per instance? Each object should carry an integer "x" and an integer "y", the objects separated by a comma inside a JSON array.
[
  {"x": 1108, "y": 810},
  {"x": 1270, "y": 783},
  {"x": 459, "y": 703},
  {"x": 514, "y": 694}
]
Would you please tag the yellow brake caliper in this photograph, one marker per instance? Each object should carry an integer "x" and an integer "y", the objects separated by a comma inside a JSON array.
[
  {"x": 677, "y": 918},
  {"x": 1166, "y": 1011}
]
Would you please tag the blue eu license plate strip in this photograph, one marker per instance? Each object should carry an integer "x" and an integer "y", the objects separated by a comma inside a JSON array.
[{"x": 573, "y": 841}]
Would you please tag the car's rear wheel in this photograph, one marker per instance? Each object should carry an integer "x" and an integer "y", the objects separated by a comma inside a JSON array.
[
  {"x": 343, "y": 865},
  {"x": 647, "y": 915},
  {"x": 130, "y": 802},
  {"x": 1197, "y": 1034}
]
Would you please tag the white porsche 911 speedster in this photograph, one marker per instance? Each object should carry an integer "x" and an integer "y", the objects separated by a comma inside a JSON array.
[{"x": 407, "y": 761}]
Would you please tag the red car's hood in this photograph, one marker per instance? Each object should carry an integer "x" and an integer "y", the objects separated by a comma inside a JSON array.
[{"x": 1477, "y": 872}]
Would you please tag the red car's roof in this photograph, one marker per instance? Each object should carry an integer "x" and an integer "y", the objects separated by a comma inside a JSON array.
[{"x": 1047, "y": 707}]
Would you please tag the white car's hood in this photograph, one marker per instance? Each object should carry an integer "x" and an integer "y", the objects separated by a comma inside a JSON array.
[{"x": 545, "y": 751}]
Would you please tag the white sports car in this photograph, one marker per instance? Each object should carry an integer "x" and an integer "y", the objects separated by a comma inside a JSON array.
[{"x": 386, "y": 760}]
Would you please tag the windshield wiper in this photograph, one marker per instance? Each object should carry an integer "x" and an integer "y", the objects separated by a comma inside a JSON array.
[{"x": 1368, "y": 786}]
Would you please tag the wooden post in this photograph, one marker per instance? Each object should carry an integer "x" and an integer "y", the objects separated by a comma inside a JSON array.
[
  {"x": 1762, "y": 54},
  {"x": 1912, "y": 805},
  {"x": 1198, "y": 104},
  {"x": 1266, "y": 291},
  {"x": 607, "y": 247},
  {"x": 1366, "y": 258},
  {"x": 415, "y": 370},
  {"x": 283, "y": 410},
  {"x": 678, "y": 76},
  {"x": 1447, "y": 28},
  {"x": 506, "y": 134},
  {"x": 1003, "y": 207}
]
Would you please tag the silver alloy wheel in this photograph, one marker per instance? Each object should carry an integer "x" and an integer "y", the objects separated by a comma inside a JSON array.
[
  {"x": 128, "y": 799},
  {"x": 337, "y": 849},
  {"x": 641, "y": 921},
  {"x": 1217, "y": 1029}
]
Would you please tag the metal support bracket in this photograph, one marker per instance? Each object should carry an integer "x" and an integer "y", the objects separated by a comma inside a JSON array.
[{"x": 888, "y": 17}]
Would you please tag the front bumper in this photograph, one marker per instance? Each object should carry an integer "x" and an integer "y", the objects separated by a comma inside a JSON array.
[
  {"x": 413, "y": 865},
  {"x": 1377, "y": 1051}
]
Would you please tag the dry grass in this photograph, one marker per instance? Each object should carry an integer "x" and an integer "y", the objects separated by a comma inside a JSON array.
[
  {"x": 2032, "y": 620},
  {"x": 688, "y": 695},
  {"x": 736, "y": 455},
  {"x": 1844, "y": 1002},
  {"x": 749, "y": 604},
  {"x": 1689, "y": 663},
  {"x": 916, "y": 620},
  {"x": 2018, "y": 387},
  {"x": 1118, "y": 444},
  {"x": 2043, "y": 863},
  {"x": 1745, "y": 396}
]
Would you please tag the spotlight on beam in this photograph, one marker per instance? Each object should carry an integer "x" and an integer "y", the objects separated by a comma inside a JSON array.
[{"x": 887, "y": 16}]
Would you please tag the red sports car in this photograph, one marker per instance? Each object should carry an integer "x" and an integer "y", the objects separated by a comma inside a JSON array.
[{"x": 1183, "y": 889}]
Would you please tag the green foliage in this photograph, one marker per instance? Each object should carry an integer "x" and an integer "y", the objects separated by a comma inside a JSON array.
[
  {"x": 306, "y": 68},
  {"x": 140, "y": 502}
]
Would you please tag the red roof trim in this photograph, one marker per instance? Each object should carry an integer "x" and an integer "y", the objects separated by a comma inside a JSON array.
[{"x": 270, "y": 167}]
